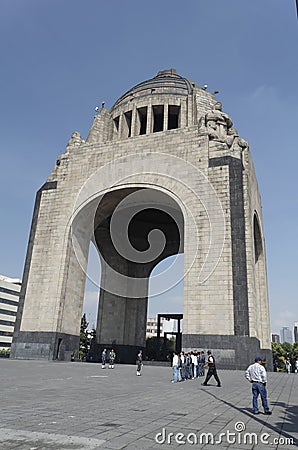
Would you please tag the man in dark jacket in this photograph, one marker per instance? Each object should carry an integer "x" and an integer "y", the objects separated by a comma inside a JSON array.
[
  {"x": 211, "y": 370},
  {"x": 202, "y": 362}
]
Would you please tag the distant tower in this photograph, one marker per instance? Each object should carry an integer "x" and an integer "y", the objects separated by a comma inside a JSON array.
[
  {"x": 296, "y": 331},
  {"x": 286, "y": 335},
  {"x": 162, "y": 172},
  {"x": 275, "y": 338}
]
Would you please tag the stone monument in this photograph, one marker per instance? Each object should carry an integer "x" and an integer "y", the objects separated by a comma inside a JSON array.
[{"x": 162, "y": 172}]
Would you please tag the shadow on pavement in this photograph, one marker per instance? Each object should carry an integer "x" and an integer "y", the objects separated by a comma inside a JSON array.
[{"x": 280, "y": 428}]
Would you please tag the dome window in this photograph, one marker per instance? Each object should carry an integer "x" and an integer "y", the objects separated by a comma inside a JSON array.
[
  {"x": 142, "y": 116},
  {"x": 173, "y": 117},
  {"x": 116, "y": 124},
  {"x": 158, "y": 113},
  {"x": 127, "y": 124}
]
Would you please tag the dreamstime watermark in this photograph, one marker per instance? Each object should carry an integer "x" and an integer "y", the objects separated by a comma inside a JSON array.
[
  {"x": 237, "y": 436},
  {"x": 119, "y": 192}
]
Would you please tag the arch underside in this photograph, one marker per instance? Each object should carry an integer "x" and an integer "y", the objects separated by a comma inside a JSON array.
[{"x": 122, "y": 310}]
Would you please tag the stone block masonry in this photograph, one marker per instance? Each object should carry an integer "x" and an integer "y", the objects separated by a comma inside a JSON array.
[{"x": 162, "y": 172}]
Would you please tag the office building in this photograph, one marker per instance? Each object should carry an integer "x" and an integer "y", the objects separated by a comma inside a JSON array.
[
  {"x": 296, "y": 332},
  {"x": 286, "y": 335},
  {"x": 166, "y": 326},
  {"x": 9, "y": 301}
]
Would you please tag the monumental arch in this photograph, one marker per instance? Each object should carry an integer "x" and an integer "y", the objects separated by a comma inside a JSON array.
[{"x": 162, "y": 172}]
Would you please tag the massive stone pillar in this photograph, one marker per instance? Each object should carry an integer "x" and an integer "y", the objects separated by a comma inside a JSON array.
[{"x": 162, "y": 172}]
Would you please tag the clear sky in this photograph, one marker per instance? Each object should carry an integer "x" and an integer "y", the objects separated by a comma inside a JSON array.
[{"x": 61, "y": 58}]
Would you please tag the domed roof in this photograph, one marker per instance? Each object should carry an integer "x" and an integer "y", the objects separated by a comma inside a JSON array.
[{"x": 165, "y": 82}]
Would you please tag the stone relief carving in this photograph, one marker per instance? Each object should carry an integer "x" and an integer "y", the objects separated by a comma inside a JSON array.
[
  {"x": 235, "y": 142},
  {"x": 218, "y": 126},
  {"x": 75, "y": 140}
]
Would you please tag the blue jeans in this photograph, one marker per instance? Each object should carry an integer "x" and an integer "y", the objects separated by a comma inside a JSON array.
[
  {"x": 186, "y": 372},
  {"x": 195, "y": 371},
  {"x": 175, "y": 374},
  {"x": 259, "y": 389}
]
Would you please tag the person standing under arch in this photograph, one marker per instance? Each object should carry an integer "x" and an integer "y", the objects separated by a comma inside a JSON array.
[
  {"x": 104, "y": 358},
  {"x": 139, "y": 363},
  {"x": 112, "y": 357}
]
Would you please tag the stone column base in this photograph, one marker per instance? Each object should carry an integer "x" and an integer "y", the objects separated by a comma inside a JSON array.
[{"x": 43, "y": 345}]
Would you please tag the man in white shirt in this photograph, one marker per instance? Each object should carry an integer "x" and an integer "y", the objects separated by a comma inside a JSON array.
[
  {"x": 256, "y": 374},
  {"x": 175, "y": 365},
  {"x": 194, "y": 362}
]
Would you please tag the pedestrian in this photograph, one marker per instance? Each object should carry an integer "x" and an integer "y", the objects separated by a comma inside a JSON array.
[
  {"x": 175, "y": 366},
  {"x": 194, "y": 362},
  {"x": 183, "y": 365},
  {"x": 190, "y": 367},
  {"x": 296, "y": 365},
  {"x": 104, "y": 358},
  {"x": 139, "y": 363},
  {"x": 256, "y": 374},
  {"x": 288, "y": 365},
  {"x": 202, "y": 362},
  {"x": 112, "y": 357},
  {"x": 187, "y": 366},
  {"x": 211, "y": 370}
]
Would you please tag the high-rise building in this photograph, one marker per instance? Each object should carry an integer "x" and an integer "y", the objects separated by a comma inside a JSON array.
[
  {"x": 275, "y": 338},
  {"x": 9, "y": 302},
  {"x": 296, "y": 332},
  {"x": 286, "y": 335},
  {"x": 151, "y": 327},
  {"x": 166, "y": 326}
]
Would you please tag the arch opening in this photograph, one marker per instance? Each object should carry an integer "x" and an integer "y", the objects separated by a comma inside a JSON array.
[
  {"x": 258, "y": 246},
  {"x": 134, "y": 230},
  {"x": 261, "y": 309}
]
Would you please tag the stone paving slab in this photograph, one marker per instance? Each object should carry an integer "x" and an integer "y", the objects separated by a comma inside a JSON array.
[{"x": 59, "y": 405}]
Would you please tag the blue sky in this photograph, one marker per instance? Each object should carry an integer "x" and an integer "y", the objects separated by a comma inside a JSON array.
[{"x": 60, "y": 58}]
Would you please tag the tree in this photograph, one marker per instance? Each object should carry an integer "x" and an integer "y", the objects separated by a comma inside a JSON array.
[
  {"x": 279, "y": 355},
  {"x": 288, "y": 348},
  {"x": 84, "y": 340},
  {"x": 166, "y": 348},
  {"x": 295, "y": 351},
  {"x": 281, "y": 352}
]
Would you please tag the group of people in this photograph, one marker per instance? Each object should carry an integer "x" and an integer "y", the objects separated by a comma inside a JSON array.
[
  {"x": 110, "y": 358},
  {"x": 192, "y": 365}
]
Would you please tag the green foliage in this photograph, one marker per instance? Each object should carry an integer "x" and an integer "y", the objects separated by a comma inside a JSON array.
[
  {"x": 279, "y": 356},
  {"x": 295, "y": 351},
  {"x": 281, "y": 352},
  {"x": 288, "y": 348},
  {"x": 84, "y": 340},
  {"x": 5, "y": 352}
]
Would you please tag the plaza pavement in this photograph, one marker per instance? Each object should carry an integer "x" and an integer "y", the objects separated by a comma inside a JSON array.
[{"x": 79, "y": 406}]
